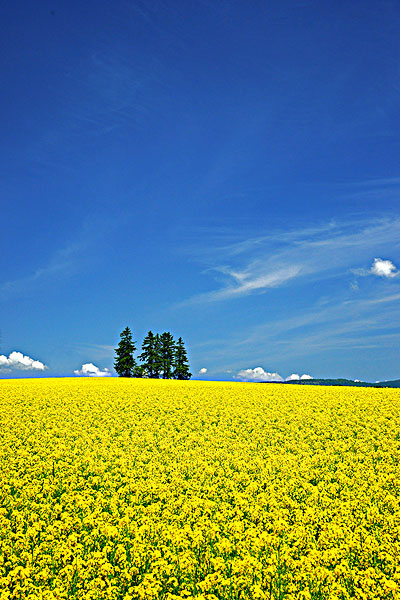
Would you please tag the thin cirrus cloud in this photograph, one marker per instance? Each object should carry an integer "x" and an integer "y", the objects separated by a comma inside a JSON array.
[
  {"x": 346, "y": 322},
  {"x": 254, "y": 265},
  {"x": 16, "y": 361},
  {"x": 62, "y": 262},
  {"x": 331, "y": 317},
  {"x": 91, "y": 370}
]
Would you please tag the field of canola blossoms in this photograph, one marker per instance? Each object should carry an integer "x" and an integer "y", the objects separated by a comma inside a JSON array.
[{"x": 140, "y": 489}]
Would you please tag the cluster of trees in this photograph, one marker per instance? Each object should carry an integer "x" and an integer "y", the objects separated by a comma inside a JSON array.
[{"x": 161, "y": 357}]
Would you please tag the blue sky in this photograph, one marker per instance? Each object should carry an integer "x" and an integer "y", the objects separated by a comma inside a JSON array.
[{"x": 227, "y": 171}]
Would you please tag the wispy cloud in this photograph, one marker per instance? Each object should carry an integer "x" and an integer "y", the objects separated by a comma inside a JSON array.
[
  {"x": 98, "y": 351},
  {"x": 106, "y": 93},
  {"x": 339, "y": 325},
  {"x": 62, "y": 261},
  {"x": 73, "y": 257},
  {"x": 253, "y": 265},
  {"x": 246, "y": 282}
]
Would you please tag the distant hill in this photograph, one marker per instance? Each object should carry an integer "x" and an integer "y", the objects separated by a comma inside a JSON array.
[{"x": 348, "y": 382}]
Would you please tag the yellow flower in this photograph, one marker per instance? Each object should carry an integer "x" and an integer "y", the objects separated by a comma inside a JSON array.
[{"x": 140, "y": 489}]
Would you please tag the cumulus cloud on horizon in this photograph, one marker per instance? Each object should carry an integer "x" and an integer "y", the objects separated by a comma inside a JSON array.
[
  {"x": 90, "y": 370},
  {"x": 16, "y": 361},
  {"x": 293, "y": 377},
  {"x": 202, "y": 371},
  {"x": 259, "y": 374}
]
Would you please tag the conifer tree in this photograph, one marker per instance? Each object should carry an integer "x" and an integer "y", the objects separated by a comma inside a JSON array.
[
  {"x": 181, "y": 364},
  {"x": 157, "y": 350},
  {"x": 151, "y": 355},
  {"x": 167, "y": 354},
  {"x": 139, "y": 371},
  {"x": 125, "y": 364}
]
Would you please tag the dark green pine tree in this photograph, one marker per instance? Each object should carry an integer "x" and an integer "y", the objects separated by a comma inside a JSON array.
[
  {"x": 167, "y": 354},
  {"x": 139, "y": 371},
  {"x": 181, "y": 370},
  {"x": 125, "y": 363},
  {"x": 157, "y": 349},
  {"x": 150, "y": 356}
]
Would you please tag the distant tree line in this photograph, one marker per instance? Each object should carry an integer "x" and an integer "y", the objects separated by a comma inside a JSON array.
[{"x": 161, "y": 357}]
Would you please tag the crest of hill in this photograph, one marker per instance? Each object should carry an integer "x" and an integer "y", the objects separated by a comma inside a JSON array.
[{"x": 347, "y": 382}]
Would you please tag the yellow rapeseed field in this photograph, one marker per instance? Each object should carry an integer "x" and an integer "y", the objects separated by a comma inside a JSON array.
[{"x": 138, "y": 489}]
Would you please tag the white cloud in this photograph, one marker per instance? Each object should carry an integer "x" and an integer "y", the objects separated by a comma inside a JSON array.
[
  {"x": 248, "y": 282},
  {"x": 296, "y": 377},
  {"x": 244, "y": 283},
  {"x": 257, "y": 374},
  {"x": 20, "y": 362},
  {"x": 383, "y": 268},
  {"x": 203, "y": 371},
  {"x": 293, "y": 377},
  {"x": 90, "y": 370}
]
